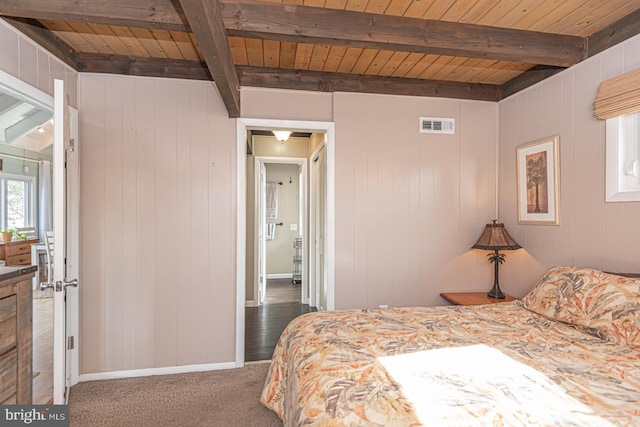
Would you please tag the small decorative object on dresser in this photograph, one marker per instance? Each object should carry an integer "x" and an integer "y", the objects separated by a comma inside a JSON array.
[{"x": 6, "y": 235}]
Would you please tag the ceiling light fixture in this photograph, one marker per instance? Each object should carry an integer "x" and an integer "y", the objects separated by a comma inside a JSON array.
[{"x": 281, "y": 135}]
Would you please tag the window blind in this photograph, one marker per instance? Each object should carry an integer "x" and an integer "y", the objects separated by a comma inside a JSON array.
[{"x": 618, "y": 96}]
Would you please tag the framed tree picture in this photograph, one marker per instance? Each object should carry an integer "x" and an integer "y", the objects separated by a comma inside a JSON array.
[{"x": 537, "y": 168}]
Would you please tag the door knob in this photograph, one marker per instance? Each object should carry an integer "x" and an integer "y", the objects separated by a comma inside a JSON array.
[
  {"x": 45, "y": 285},
  {"x": 60, "y": 284}
]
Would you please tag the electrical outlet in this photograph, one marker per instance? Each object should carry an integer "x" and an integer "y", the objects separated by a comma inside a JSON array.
[
  {"x": 294, "y": 227},
  {"x": 383, "y": 306}
]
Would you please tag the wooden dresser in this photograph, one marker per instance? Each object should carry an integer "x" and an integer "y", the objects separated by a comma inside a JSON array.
[
  {"x": 16, "y": 335},
  {"x": 16, "y": 252}
]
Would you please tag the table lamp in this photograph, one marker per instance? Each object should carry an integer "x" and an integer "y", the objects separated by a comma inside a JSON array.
[{"x": 494, "y": 238}]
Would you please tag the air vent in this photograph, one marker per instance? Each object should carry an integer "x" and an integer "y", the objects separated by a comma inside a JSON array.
[{"x": 437, "y": 125}]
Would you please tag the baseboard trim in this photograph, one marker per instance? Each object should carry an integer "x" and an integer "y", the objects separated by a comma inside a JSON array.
[
  {"x": 250, "y": 303},
  {"x": 280, "y": 276},
  {"x": 98, "y": 376}
]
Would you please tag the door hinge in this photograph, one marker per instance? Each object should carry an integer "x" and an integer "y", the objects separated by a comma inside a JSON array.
[{"x": 70, "y": 345}]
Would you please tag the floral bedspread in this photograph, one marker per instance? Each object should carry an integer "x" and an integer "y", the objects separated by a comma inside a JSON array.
[{"x": 495, "y": 365}]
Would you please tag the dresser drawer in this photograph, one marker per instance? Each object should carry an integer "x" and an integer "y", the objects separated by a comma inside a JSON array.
[
  {"x": 21, "y": 259},
  {"x": 8, "y": 290},
  {"x": 11, "y": 400},
  {"x": 8, "y": 375},
  {"x": 17, "y": 249},
  {"x": 8, "y": 323}
]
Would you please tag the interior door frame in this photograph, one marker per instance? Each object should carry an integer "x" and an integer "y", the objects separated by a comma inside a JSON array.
[
  {"x": 72, "y": 265},
  {"x": 24, "y": 90},
  {"x": 260, "y": 224},
  {"x": 242, "y": 127},
  {"x": 313, "y": 197},
  {"x": 259, "y": 161}
]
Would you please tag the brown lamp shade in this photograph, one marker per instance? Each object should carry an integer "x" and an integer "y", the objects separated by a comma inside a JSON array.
[{"x": 495, "y": 237}]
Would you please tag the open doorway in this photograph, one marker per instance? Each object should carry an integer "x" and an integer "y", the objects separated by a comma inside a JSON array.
[
  {"x": 26, "y": 140},
  {"x": 284, "y": 164},
  {"x": 27, "y": 149},
  {"x": 281, "y": 214},
  {"x": 277, "y": 238}
]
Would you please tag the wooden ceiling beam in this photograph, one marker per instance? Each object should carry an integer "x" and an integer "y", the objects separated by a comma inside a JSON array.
[
  {"x": 158, "y": 14},
  {"x": 338, "y": 82},
  {"x": 149, "y": 67},
  {"x": 613, "y": 34},
  {"x": 206, "y": 23},
  {"x": 285, "y": 78},
  {"x": 286, "y": 22},
  {"x": 600, "y": 41},
  {"x": 528, "y": 78},
  {"x": 45, "y": 38},
  {"x": 315, "y": 25}
]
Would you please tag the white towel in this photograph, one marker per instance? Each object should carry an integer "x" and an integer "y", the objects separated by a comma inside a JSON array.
[
  {"x": 272, "y": 200},
  {"x": 271, "y": 231}
]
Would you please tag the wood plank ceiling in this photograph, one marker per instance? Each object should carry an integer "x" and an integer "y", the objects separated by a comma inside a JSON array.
[{"x": 471, "y": 49}]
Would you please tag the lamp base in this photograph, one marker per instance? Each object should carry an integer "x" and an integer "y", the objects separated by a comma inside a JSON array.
[
  {"x": 497, "y": 259},
  {"x": 495, "y": 292}
]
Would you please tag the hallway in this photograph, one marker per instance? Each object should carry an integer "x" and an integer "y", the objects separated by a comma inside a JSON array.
[{"x": 264, "y": 324}]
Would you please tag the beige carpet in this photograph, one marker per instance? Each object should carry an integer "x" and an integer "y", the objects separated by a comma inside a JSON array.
[{"x": 227, "y": 398}]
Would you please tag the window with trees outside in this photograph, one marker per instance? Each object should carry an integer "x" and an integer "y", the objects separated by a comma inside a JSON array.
[
  {"x": 623, "y": 158},
  {"x": 17, "y": 199}
]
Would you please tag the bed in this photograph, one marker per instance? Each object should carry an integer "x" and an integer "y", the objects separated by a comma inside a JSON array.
[{"x": 567, "y": 354}]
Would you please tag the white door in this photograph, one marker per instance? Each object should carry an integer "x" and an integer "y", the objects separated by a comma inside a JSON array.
[
  {"x": 320, "y": 214},
  {"x": 304, "y": 294},
  {"x": 61, "y": 141},
  {"x": 262, "y": 230}
]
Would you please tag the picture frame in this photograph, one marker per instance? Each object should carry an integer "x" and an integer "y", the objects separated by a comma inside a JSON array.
[{"x": 538, "y": 181}]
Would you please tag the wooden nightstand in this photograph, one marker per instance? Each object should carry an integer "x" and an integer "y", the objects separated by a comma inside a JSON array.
[{"x": 473, "y": 298}]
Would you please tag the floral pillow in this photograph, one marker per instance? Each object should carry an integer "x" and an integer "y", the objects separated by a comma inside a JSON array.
[{"x": 601, "y": 304}]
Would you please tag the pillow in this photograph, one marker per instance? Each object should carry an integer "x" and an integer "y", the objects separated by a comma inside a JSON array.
[{"x": 601, "y": 304}]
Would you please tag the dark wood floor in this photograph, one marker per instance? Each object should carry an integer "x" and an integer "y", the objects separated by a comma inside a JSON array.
[{"x": 264, "y": 324}]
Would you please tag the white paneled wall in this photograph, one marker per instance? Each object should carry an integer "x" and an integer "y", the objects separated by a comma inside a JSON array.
[
  {"x": 592, "y": 233},
  {"x": 409, "y": 206},
  {"x": 158, "y": 224},
  {"x": 24, "y": 59},
  {"x": 281, "y": 104}
]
